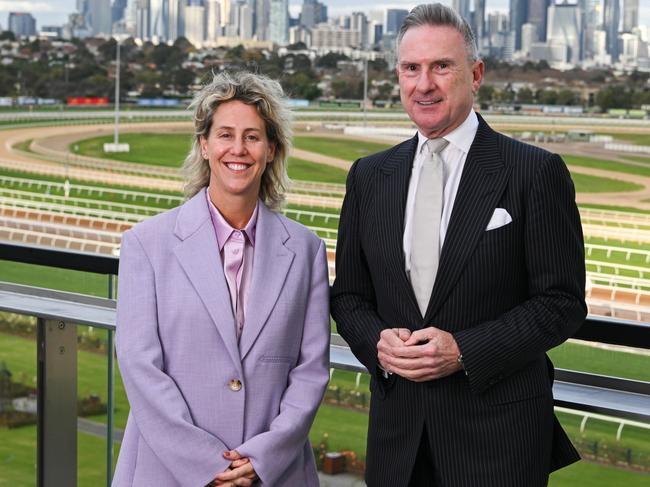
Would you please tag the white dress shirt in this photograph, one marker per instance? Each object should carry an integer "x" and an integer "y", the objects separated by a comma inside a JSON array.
[{"x": 453, "y": 157}]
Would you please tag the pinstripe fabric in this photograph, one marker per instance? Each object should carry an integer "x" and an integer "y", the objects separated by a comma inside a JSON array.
[{"x": 508, "y": 295}]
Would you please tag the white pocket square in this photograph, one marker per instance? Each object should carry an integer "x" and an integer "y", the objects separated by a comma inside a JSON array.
[{"x": 500, "y": 217}]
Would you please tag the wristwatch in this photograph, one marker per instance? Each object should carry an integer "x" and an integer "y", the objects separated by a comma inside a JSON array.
[{"x": 459, "y": 359}]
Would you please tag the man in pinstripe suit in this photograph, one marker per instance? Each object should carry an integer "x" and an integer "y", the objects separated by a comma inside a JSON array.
[{"x": 461, "y": 384}]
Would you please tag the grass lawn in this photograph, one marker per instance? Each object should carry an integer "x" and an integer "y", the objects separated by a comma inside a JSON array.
[
  {"x": 617, "y": 257},
  {"x": 107, "y": 197},
  {"x": 345, "y": 149},
  {"x": 18, "y": 458},
  {"x": 585, "y": 183},
  {"x": 54, "y": 278},
  {"x": 302, "y": 170},
  {"x": 19, "y": 354},
  {"x": 576, "y": 356},
  {"x": 606, "y": 165},
  {"x": 170, "y": 150},
  {"x": 586, "y": 474},
  {"x": 346, "y": 429},
  {"x": 645, "y": 160},
  {"x": 615, "y": 208},
  {"x": 638, "y": 139},
  {"x": 167, "y": 149}
]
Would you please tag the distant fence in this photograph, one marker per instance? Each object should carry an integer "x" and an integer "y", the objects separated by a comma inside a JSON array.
[{"x": 645, "y": 149}]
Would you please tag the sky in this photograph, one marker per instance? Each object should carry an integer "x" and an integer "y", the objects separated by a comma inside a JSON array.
[{"x": 55, "y": 12}]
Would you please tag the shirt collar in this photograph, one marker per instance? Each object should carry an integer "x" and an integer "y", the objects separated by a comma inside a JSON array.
[
  {"x": 223, "y": 229},
  {"x": 461, "y": 137}
]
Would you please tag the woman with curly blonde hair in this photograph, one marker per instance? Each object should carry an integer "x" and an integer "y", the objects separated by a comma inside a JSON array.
[{"x": 222, "y": 316}]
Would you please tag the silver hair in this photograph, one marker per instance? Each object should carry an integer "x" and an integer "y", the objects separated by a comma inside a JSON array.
[
  {"x": 436, "y": 14},
  {"x": 267, "y": 97}
]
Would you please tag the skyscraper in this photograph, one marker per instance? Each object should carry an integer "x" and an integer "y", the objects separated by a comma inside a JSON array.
[
  {"x": 225, "y": 12},
  {"x": 118, "y": 9},
  {"x": 142, "y": 19},
  {"x": 195, "y": 24},
  {"x": 262, "y": 19},
  {"x": 592, "y": 23},
  {"x": 159, "y": 20},
  {"x": 176, "y": 19},
  {"x": 99, "y": 17},
  {"x": 630, "y": 15},
  {"x": 279, "y": 31},
  {"x": 478, "y": 22},
  {"x": 212, "y": 20},
  {"x": 611, "y": 20},
  {"x": 564, "y": 30},
  {"x": 359, "y": 22},
  {"x": 22, "y": 24},
  {"x": 394, "y": 19},
  {"x": 246, "y": 20},
  {"x": 308, "y": 14},
  {"x": 518, "y": 17},
  {"x": 537, "y": 14},
  {"x": 462, "y": 7}
]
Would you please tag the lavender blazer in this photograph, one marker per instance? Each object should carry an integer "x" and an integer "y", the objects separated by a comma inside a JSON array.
[{"x": 178, "y": 351}]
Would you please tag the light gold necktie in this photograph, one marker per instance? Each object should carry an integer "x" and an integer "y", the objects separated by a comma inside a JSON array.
[{"x": 427, "y": 214}]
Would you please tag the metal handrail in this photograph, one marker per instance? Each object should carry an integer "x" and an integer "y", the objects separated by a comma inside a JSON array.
[{"x": 591, "y": 393}]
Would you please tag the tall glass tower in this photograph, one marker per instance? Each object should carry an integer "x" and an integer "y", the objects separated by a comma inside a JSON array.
[{"x": 611, "y": 20}]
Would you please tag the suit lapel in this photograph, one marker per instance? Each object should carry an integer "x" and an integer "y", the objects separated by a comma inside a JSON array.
[
  {"x": 198, "y": 254},
  {"x": 391, "y": 204},
  {"x": 271, "y": 263},
  {"x": 483, "y": 181}
]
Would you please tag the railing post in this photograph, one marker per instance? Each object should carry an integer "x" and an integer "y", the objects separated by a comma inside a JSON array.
[
  {"x": 56, "y": 404},
  {"x": 110, "y": 350}
]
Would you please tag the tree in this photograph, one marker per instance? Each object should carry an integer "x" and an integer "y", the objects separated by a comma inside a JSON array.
[
  {"x": 613, "y": 96},
  {"x": 108, "y": 50},
  {"x": 7, "y": 35},
  {"x": 379, "y": 65},
  {"x": 547, "y": 97},
  {"x": 384, "y": 91},
  {"x": 347, "y": 88},
  {"x": 567, "y": 97},
  {"x": 301, "y": 85},
  {"x": 506, "y": 95},
  {"x": 182, "y": 79},
  {"x": 183, "y": 45},
  {"x": 330, "y": 59},
  {"x": 638, "y": 78},
  {"x": 298, "y": 46},
  {"x": 525, "y": 95},
  {"x": 485, "y": 93},
  {"x": 235, "y": 53},
  {"x": 297, "y": 62}
]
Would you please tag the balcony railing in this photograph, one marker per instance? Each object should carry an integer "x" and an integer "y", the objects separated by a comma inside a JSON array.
[{"x": 58, "y": 313}]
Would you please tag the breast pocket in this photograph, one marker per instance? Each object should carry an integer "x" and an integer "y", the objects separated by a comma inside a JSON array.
[{"x": 277, "y": 359}]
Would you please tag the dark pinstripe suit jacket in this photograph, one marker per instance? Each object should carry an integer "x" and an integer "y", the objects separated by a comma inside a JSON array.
[{"x": 507, "y": 295}]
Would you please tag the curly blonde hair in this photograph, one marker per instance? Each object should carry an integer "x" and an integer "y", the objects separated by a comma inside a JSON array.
[{"x": 267, "y": 97}]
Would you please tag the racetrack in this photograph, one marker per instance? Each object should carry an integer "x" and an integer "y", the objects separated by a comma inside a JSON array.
[{"x": 55, "y": 141}]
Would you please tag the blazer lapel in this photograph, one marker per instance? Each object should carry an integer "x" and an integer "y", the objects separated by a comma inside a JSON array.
[
  {"x": 483, "y": 181},
  {"x": 198, "y": 254},
  {"x": 391, "y": 205},
  {"x": 271, "y": 264}
]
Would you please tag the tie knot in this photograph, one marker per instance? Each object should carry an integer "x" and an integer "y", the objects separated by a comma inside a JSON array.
[{"x": 436, "y": 145}]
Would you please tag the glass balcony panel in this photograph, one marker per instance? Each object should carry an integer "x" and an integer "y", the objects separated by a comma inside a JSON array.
[
  {"x": 54, "y": 278},
  {"x": 17, "y": 399},
  {"x": 603, "y": 359}
]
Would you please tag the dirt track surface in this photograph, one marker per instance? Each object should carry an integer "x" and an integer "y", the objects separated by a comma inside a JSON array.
[{"x": 58, "y": 139}]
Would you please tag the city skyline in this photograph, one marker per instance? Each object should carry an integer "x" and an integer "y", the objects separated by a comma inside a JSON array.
[{"x": 55, "y": 12}]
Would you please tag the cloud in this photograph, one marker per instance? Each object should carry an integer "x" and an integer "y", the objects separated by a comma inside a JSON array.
[{"x": 26, "y": 6}]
